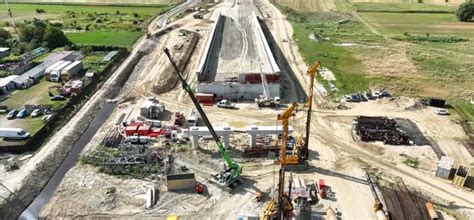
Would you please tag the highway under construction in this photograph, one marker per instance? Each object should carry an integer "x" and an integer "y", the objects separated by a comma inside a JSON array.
[{"x": 241, "y": 129}]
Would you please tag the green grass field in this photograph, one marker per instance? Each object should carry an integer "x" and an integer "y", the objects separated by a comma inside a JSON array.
[
  {"x": 121, "y": 39},
  {"x": 402, "y": 7},
  {"x": 418, "y": 23},
  {"x": 37, "y": 94},
  {"x": 90, "y": 24},
  {"x": 21, "y": 9}
]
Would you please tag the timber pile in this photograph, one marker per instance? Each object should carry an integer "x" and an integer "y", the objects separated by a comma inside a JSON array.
[
  {"x": 114, "y": 137},
  {"x": 380, "y": 129}
]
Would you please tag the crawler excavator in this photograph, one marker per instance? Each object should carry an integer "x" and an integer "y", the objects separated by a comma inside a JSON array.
[
  {"x": 282, "y": 208},
  {"x": 300, "y": 150},
  {"x": 230, "y": 175}
]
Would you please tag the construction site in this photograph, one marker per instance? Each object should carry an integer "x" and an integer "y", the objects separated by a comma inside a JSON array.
[{"x": 217, "y": 116}]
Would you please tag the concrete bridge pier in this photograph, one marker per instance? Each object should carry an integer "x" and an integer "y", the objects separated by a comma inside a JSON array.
[
  {"x": 196, "y": 132},
  {"x": 253, "y": 131}
]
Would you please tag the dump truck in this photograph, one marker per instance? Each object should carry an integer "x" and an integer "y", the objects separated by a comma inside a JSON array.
[{"x": 71, "y": 70}]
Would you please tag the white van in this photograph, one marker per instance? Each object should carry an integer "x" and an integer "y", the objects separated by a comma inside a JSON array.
[
  {"x": 13, "y": 133},
  {"x": 193, "y": 118}
]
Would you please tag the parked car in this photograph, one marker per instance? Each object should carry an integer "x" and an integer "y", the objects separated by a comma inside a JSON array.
[
  {"x": 57, "y": 98},
  {"x": 12, "y": 114},
  {"x": 3, "y": 111},
  {"x": 384, "y": 94},
  {"x": 441, "y": 111},
  {"x": 375, "y": 94},
  {"x": 347, "y": 98},
  {"x": 22, "y": 113},
  {"x": 46, "y": 118},
  {"x": 35, "y": 113},
  {"x": 355, "y": 97},
  {"x": 363, "y": 97},
  {"x": 225, "y": 104},
  {"x": 369, "y": 96}
]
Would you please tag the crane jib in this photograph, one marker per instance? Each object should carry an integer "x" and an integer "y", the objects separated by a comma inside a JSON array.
[{"x": 187, "y": 88}]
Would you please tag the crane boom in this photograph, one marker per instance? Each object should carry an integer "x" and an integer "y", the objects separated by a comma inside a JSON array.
[
  {"x": 283, "y": 207},
  {"x": 234, "y": 169},
  {"x": 311, "y": 73}
]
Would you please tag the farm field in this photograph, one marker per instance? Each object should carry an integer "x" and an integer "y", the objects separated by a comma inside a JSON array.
[
  {"x": 418, "y": 23},
  {"x": 309, "y": 5},
  {"x": 89, "y": 24},
  {"x": 112, "y": 2},
  {"x": 439, "y": 2},
  {"x": 403, "y": 7},
  {"x": 119, "y": 39},
  {"x": 390, "y": 50}
]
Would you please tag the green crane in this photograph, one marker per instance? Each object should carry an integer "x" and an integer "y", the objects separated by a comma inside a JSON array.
[{"x": 231, "y": 173}]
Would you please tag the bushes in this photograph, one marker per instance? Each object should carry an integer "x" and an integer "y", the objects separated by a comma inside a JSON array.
[
  {"x": 40, "y": 33},
  {"x": 465, "y": 11},
  {"x": 428, "y": 38},
  {"x": 40, "y": 11}
]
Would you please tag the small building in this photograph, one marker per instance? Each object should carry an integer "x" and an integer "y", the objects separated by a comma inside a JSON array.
[
  {"x": 180, "y": 181},
  {"x": 110, "y": 56},
  {"x": 4, "y": 52},
  {"x": 6, "y": 84},
  {"x": 444, "y": 167}
]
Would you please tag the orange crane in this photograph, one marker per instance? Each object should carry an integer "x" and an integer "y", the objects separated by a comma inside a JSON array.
[
  {"x": 300, "y": 151},
  {"x": 283, "y": 208}
]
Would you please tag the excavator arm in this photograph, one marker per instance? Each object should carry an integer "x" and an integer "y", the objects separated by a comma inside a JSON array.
[{"x": 234, "y": 168}]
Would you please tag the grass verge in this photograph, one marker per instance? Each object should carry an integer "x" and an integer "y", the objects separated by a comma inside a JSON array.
[
  {"x": 120, "y": 39},
  {"x": 406, "y": 7}
]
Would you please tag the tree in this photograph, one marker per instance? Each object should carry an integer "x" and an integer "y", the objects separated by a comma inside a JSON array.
[
  {"x": 465, "y": 11},
  {"x": 4, "y": 36},
  {"x": 55, "y": 37}
]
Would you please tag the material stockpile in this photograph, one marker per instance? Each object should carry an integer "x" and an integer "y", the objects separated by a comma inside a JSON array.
[
  {"x": 114, "y": 137},
  {"x": 380, "y": 129},
  {"x": 132, "y": 160}
]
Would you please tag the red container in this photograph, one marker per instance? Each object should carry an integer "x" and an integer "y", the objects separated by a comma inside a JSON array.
[
  {"x": 144, "y": 130},
  {"x": 254, "y": 78},
  {"x": 138, "y": 124},
  {"x": 205, "y": 98},
  {"x": 131, "y": 130}
]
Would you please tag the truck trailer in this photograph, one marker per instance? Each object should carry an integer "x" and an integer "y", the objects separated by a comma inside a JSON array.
[
  {"x": 50, "y": 69},
  {"x": 71, "y": 70},
  {"x": 13, "y": 133},
  {"x": 56, "y": 72}
]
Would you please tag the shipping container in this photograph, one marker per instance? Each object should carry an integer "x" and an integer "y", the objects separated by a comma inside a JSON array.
[
  {"x": 431, "y": 211},
  {"x": 56, "y": 72},
  {"x": 144, "y": 130},
  {"x": 71, "y": 70},
  {"x": 205, "y": 98},
  {"x": 50, "y": 68},
  {"x": 254, "y": 78},
  {"x": 131, "y": 130},
  {"x": 461, "y": 175},
  {"x": 445, "y": 165}
]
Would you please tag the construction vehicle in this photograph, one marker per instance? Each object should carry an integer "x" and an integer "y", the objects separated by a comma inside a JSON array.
[
  {"x": 198, "y": 187},
  {"x": 300, "y": 150},
  {"x": 259, "y": 196},
  {"x": 282, "y": 208},
  {"x": 378, "y": 206},
  {"x": 264, "y": 101},
  {"x": 230, "y": 175}
]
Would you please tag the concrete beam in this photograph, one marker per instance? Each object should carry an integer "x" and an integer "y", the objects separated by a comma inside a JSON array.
[
  {"x": 223, "y": 131},
  {"x": 260, "y": 38},
  {"x": 253, "y": 131}
]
